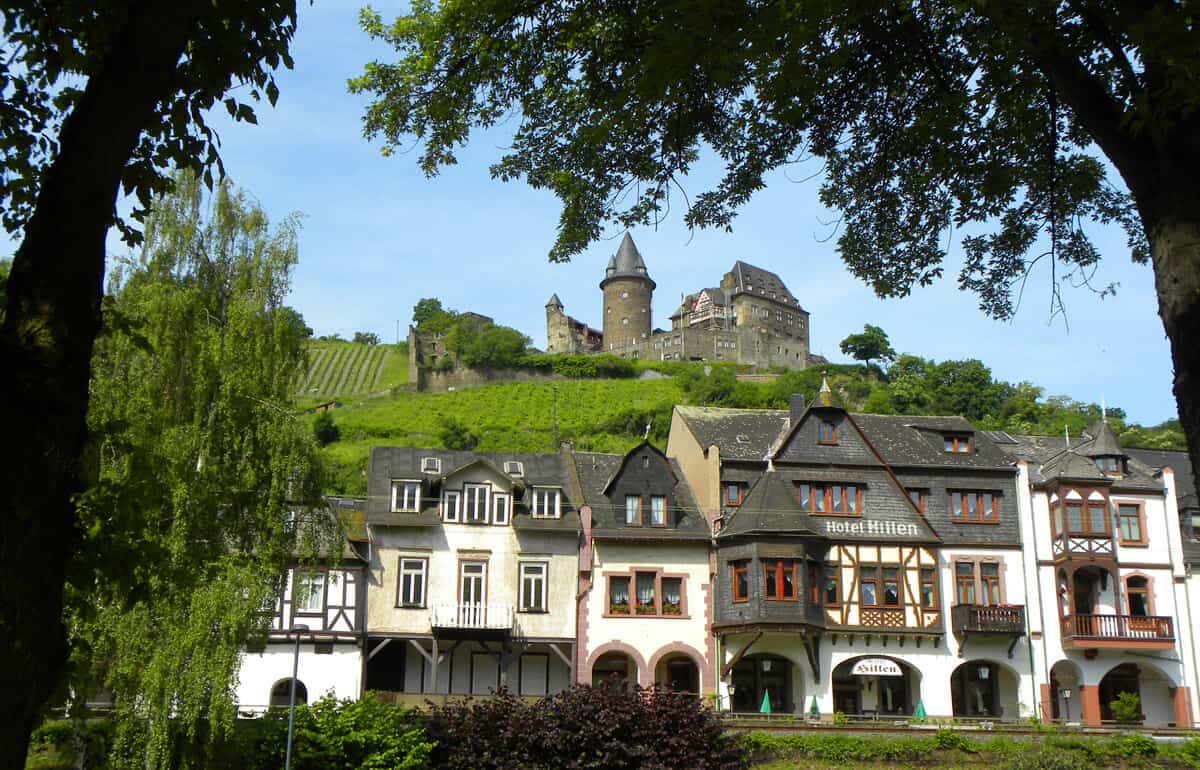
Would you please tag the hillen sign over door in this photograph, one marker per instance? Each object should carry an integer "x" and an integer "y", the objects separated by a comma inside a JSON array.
[{"x": 876, "y": 667}]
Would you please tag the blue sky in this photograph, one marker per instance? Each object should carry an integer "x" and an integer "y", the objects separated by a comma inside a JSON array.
[{"x": 377, "y": 236}]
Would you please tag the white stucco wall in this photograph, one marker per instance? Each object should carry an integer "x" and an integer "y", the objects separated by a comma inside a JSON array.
[
  {"x": 651, "y": 636},
  {"x": 339, "y": 672}
]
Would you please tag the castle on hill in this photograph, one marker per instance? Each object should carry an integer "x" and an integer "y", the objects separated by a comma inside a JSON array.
[{"x": 749, "y": 318}]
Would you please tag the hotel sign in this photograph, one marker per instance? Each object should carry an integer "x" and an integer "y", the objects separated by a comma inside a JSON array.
[
  {"x": 876, "y": 667},
  {"x": 871, "y": 528}
]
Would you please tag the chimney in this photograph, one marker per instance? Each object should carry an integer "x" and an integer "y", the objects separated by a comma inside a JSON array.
[{"x": 795, "y": 408}]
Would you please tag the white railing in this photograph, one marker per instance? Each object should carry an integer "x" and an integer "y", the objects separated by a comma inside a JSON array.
[{"x": 473, "y": 615}]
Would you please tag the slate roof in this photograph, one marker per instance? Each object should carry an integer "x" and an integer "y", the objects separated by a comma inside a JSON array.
[
  {"x": 539, "y": 470},
  {"x": 757, "y": 282},
  {"x": 1185, "y": 491},
  {"x": 626, "y": 263},
  {"x": 717, "y": 295},
  {"x": 596, "y": 471},
  {"x": 1049, "y": 458},
  {"x": 740, "y": 434},
  {"x": 770, "y": 507},
  {"x": 554, "y": 301},
  {"x": 1103, "y": 441},
  {"x": 909, "y": 440}
]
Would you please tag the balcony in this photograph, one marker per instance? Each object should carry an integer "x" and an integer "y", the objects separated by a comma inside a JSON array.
[
  {"x": 1088, "y": 545},
  {"x": 1124, "y": 631},
  {"x": 472, "y": 620},
  {"x": 972, "y": 620}
]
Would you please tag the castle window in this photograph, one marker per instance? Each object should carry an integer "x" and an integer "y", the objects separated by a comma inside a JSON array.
[{"x": 624, "y": 295}]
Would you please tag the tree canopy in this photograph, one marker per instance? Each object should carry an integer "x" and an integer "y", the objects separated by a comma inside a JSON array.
[
  {"x": 869, "y": 346},
  {"x": 924, "y": 117},
  {"x": 97, "y": 97},
  {"x": 198, "y": 456}
]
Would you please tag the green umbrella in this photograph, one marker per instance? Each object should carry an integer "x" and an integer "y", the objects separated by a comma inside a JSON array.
[
  {"x": 919, "y": 714},
  {"x": 765, "y": 708},
  {"x": 813, "y": 711}
]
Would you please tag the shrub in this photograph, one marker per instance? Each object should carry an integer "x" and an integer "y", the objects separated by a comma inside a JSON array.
[
  {"x": 1132, "y": 745},
  {"x": 583, "y": 727},
  {"x": 1126, "y": 707},
  {"x": 454, "y": 434},
  {"x": 1188, "y": 752},
  {"x": 1048, "y": 758},
  {"x": 325, "y": 430},
  {"x": 947, "y": 739}
]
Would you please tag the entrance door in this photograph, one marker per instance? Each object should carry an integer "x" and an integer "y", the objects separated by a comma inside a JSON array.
[
  {"x": 472, "y": 593},
  {"x": 845, "y": 696}
]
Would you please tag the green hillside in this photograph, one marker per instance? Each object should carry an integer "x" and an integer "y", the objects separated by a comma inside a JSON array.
[
  {"x": 611, "y": 415},
  {"x": 339, "y": 369},
  {"x": 597, "y": 415}
]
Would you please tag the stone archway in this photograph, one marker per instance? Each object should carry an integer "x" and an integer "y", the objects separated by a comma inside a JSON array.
[
  {"x": 1062, "y": 698},
  {"x": 876, "y": 685},
  {"x": 636, "y": 669},
  {"x": 985, "y": 689},
  {"x": 672, "y": 653},
  {"x": 281, "y": 693}
]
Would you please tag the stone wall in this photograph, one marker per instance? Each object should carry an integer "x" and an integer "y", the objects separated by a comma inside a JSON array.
[{"x": 466, "y": 377}]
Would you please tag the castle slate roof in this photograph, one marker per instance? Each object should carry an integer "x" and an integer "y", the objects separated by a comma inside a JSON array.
[
  {"x": 554, "y": 301},
  {"x": 627, "y": 263},
  {"x": 596, "y": 472},
  {"x": 740, "y": 434},
  {"x": 394, "y": 463},
  {"x": 748, "y": 279}
]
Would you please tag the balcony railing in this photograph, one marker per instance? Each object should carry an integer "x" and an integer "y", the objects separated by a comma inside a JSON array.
[
  {"x": 1089, "y": 544},
  {"x": 471, "y": 615},
  {"x": 974, "y": 619},
  {"x": 1118, "y": 628}
]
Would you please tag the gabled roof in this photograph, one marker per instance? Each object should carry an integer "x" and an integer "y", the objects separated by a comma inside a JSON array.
[
  {"x": 740, "y": 434},
  {"x": 748, "y": 279},
  {"x": 1043, "y": 455},
  {"x": 629, "y": 455},
  {"x": 596, "y": 472},
  {"x": 912, "y": 440}
]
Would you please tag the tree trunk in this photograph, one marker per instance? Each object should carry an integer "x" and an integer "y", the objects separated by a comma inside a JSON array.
[
  {"x": 1175, "y": 252},
  {"x": 46, "y": 340}
]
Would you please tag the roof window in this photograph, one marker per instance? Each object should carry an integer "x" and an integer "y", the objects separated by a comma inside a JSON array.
[
  {"x": 514, "y": 468},
  {"x": 431, "y": 465}
]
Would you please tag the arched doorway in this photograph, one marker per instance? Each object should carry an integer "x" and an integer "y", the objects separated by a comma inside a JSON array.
[
  {"x": 874, "y": 685},
  {"x": 756, "y": 676},
  {"x": 678, "y": 672},
  {"x": 984, "y": 689},
  {"x": 614, "y": 668},
  {"x": 281, "y": 693},
  {"x": 1065, "y": 679},
  {"x": 1124, "y": 678}
]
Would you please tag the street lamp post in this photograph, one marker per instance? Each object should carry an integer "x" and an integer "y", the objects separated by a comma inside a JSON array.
[
  {"x": 287, "y": 760},
  {"x": 1067, "y": 703}
]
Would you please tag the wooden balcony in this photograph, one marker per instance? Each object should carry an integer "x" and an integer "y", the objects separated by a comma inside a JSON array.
[
  {"x": 1087, "y": 545},
  {"x": 1124, "y": 631},
  {"x": 980, "y": 621},
  {"x": 472, "y": 620}
]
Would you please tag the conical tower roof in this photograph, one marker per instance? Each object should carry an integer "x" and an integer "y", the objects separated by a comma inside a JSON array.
[
  {"x": 627, "y": 263},
  {"x": 1104, "y": 441},
  {"x": 554, "y": 301}
]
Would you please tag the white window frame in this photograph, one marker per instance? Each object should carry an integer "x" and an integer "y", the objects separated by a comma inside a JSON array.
[
  {"x": 451, "y": 504},
  {"x": 633, "y": 510},
  {"x": 431, "y": 465},
  {"x": 501, "y": 505},
  {"x": 541, "y": 502},
  {"x": 475, "y": 499},
  {"x": 540, "y": 585},
  {"x": 658, "y": 511},
  {"x": 514, "y": 467},
  {"x": 412, "y": 566},
  {"x": 304, "y": 583},
  {"x": 406, "y": 496}
]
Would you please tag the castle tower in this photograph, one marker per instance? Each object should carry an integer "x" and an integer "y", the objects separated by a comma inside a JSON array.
[
  {"x": 628, "y": 290},
  {"x": 558, "y": 328}
]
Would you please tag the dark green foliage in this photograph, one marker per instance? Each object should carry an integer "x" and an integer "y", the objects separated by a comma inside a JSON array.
[
  {"x": 605, "y": 728},
  {"x": 1048, "y": 758},
  {"x": 633, "y": 422},
  {"x": 871, "y": 345},
  {"x": 366, "y": 338},
  {"x": 325, "y": 430},
  {"x": 604, "y": 366},
  {"x": 493, "y": 346},
  {"x": 454, "y": 434},
  {"x": 1126, "y": 707},
  {"x": 430, "y": 316},
  {"x": 1133, "y": 746}
]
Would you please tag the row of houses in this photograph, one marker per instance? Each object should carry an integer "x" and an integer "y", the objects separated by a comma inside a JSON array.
[{"x": 802, "y": 560}]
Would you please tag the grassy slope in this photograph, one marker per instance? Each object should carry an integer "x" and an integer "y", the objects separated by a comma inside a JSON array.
[
  {"x": 345, "y": 370},
  {"x": 514, "y": 417}
]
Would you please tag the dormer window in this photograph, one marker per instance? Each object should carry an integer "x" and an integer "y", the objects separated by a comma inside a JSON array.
[
  {"x": 826, "y": 433},
  {"x": 546, "y": 503},
  {"x": 1109, "y": 465},
  {"x": 956, "y": 444},
  {"x": 406, "y": 496},
  {"x": 733, "y": 493},
  {"x": 431, "y": 465},
  {"x": 514, "y": 468}
]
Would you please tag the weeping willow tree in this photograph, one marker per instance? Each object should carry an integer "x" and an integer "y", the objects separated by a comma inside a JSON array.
[{"x": 197, "y": 458}]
